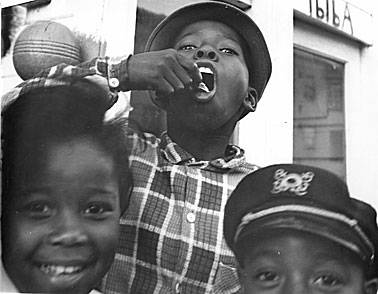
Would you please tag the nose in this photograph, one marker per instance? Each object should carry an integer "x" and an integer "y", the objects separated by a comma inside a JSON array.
[
  {"x": 68, "y": 231},
  {"x": 206, "y": 52},
  {"x": 296, "y": 285}
]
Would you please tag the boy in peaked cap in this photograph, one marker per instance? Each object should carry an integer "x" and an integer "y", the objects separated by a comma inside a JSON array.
[{"x": 295, "y": 229}]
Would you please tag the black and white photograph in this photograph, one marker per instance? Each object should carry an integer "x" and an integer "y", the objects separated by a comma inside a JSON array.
[{"x": 189, "y": 146}]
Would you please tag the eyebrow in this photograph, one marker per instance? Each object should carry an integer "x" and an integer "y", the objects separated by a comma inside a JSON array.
[
  {"x": 227, "y": 36},
  {"x": 101, "y": 190},
  {"x": 327, "y": 257},
  {"x": 88, "y": 190},
  {"x": 24, "y": 191},
  {"x": 236, "y": 40},
  {"x": 264, "y": 253}
]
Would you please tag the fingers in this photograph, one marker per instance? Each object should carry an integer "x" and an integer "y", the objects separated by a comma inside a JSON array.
[
  {"x": 183, "y": 75},
  {"x": 164, "y": 71},
  {"x": 176, "y": 77},
  {"x": 174, "y": 73},
  {"x": 165, "y": 88},
  {"x": 168, "y": 82},
  {"x": 191, "y": 68}
]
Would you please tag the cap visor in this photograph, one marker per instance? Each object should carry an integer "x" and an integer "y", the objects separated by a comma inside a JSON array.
[{"x": 336, "y": 231}]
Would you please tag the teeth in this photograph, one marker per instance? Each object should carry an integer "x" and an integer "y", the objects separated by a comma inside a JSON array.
[
  {"x": 202, "y": 86},
  {"x": 207, "y": 70},
  {"x": 59, "y": 269},
  {"x": 71, "y": 269}
]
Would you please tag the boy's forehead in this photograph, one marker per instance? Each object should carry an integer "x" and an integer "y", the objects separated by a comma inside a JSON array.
[
  {"x": 278, "y": 242},
  {"x": 202, "y": 26}
]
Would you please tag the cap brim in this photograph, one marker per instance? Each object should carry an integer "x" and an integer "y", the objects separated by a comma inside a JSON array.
[
  {"x": 258, "y": 57},
  {"x": 333, "y": 230}
]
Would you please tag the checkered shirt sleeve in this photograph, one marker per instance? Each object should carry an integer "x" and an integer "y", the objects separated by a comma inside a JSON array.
[
  {"x": 172, "y": 233},
  {"x": 63, "y": 75}
]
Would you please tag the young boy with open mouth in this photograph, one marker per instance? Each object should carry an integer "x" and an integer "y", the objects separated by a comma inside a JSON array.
[{"x": 207, "y": 65}]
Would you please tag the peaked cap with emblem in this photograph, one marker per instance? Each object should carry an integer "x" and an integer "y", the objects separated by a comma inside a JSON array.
[{"x": 302, "y": 198}]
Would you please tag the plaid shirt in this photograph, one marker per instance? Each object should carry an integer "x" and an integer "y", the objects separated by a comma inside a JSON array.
[{"x": 172, "y": 233}]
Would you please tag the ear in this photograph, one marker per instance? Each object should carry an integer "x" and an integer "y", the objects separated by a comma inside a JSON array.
[
  {"x": 250, "y": 102},
  {"x": 371, "y": 286}
]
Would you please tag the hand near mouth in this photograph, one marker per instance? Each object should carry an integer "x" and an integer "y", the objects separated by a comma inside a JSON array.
[{"x": 164, "y": 71}]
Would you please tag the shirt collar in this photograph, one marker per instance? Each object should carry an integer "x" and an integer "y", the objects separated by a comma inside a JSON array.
[{"x": 173, "y": 153}]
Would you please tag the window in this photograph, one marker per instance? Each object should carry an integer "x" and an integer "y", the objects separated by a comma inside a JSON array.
[{"x": 319, "y": 120}]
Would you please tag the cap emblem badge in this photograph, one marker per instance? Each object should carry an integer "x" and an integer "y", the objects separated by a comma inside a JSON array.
[{"x": 293, "y": 182}]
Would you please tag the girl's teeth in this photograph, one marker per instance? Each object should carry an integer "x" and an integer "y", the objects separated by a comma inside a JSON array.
[
  {"x": 70, "y": 269},
  {"x": 59, "y": 269}
]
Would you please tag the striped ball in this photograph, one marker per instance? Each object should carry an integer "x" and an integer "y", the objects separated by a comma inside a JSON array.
[{"x": 42, "y": 45}]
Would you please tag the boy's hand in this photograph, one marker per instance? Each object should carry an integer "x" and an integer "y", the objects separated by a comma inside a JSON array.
[{"x": 164, "y": 71}]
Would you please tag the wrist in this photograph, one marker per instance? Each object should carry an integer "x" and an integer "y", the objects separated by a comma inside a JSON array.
[
  {"x": 116, "y": 71},
  {"x": 118, "y": 74}
]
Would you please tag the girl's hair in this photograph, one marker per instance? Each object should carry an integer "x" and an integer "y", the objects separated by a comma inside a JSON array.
[{"x": 55, "y": 114}]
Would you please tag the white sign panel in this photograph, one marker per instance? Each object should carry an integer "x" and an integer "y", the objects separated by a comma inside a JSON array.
[{"x": 341, "y": 15}]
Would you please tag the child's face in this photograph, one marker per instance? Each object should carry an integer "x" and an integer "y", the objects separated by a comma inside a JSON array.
[
  {"x": 63, "y": 223},
  {"x": 292, "y": 262},
  {"x": 217, "y": 50}
]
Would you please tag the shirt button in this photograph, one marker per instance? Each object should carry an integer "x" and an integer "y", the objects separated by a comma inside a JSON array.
[
  {"x": 178, "y": 288},
  {"x": 191, "y": 217},
  {"x": 114, "y": 82}
]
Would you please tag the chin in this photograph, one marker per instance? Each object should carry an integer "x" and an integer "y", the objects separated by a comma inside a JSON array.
[{"x": 36, "y": 279}]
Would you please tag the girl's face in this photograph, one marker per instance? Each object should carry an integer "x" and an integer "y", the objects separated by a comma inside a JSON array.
[
  {"x": 292, "y": 262},
  {"x": 62, "y": 224}
]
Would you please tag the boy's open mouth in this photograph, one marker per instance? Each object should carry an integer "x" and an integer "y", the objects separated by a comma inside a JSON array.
[
  {"x": 206, "y": 89},
  {"x": 207, "y": 84}
]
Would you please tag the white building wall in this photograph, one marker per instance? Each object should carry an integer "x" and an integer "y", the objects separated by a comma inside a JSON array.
[
  {"x": 361, "y": 100},
  {"x": 267, "y": 134},
  {"x": 363, "y": 124}
]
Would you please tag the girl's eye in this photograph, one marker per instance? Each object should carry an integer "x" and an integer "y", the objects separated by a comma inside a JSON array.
[
  {"x": 328, "y": 280},
  {"x": 267, "y": 276},
  {"x": 97, "y": 209},
  {"x": 37, "y": 210},
  {"x": 229, "y": 51},
  {"x": 187, "y": 47}
]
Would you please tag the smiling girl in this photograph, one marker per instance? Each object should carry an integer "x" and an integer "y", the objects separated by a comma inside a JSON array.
[{"x": 64, "y": 170}]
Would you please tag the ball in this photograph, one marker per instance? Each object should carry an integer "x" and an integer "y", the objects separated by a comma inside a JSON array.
[{"x": 42, "y": 45}]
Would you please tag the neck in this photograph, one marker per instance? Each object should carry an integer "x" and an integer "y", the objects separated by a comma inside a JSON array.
[{"x": 202, "y": 145}]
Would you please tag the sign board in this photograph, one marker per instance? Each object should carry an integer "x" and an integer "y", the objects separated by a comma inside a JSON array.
[{"x": 341, "y": 15}]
